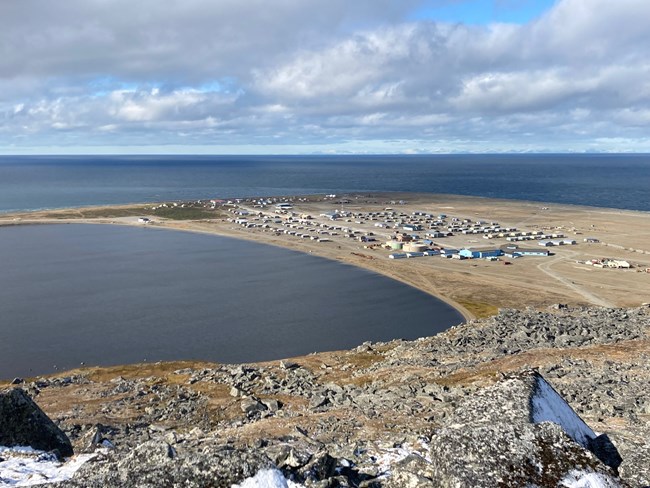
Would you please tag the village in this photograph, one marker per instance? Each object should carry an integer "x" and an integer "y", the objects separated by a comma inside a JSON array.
[
  {"x": 405, "y": 235},
  {"x": 453, "y": 247},
  {"x": 399, "y": 233}
]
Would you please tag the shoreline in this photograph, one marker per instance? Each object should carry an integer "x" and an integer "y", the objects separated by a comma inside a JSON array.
[
  {"x": 474, "y": 290},
  {"x": 377, "y": 193}
]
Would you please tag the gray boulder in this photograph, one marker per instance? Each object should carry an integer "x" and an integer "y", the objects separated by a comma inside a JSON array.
[
  {"x": 519, "y": 432},
  {"x": 23, "y": 423},
  {"x": 156, "y": 464}
]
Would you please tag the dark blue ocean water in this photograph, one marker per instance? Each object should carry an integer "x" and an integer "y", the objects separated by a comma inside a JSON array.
[
  {"x": 110, "y": 295},
  {"x": 604, "y": 180}
]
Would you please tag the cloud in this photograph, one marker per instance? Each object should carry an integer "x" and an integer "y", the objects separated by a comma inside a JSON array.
[{"x": 312, "y": 73}]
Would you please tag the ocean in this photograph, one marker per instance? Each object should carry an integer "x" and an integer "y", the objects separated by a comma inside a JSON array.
[{"x": 601, "y": 180}]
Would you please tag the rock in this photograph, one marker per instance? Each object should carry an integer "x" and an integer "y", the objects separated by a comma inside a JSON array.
[
  {"x": 101, "y": 436},
  {"x": 438, "y": 411},
  {"x": 156, "y": 464},
  {"x": 289, "y": 365},
  {"x": 23, "y": 423},
  {"x": 250, "y": 406},
  {"x": 320, "y": 467},
  {"x": 290, "y": 456},
  {"x": 518, "y": 432},
  {"x": 272, "y": 405},
  {"x": 318, "y": 400},
  {"x": 411, "y": 472},
  {"x": 605, "y": 450}
]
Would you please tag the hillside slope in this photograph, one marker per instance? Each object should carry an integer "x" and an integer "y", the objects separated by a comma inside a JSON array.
[{"x": 538, "y": 398}]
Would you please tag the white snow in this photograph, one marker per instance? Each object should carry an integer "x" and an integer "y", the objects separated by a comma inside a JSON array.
[
  {"x": 549, "y": 406},
  {"x": 391, "y": 456},
  {"x": 24, "y": 466},
  {"x": 585, "y": 479},
  {"x": 387, "y": 457},
  {"x": 268, "y": 478}
]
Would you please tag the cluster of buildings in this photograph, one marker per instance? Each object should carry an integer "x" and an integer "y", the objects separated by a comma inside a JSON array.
[
  {"x": 412, "y": 235},
  {"x": 439, "y": 226},
  {"x": 489, "y": 254},
  {"x": 302, "y": 226},
  {"x": 557, "y": 242},
  {"x": 534, "y": 235},
  {"x": 608, "y": 263}
]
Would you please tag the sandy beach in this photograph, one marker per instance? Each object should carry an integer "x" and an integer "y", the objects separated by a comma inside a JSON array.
[{"x": 476, "y": 287}]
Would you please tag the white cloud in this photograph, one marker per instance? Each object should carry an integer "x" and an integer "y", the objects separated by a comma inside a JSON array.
[{"x": 302, "y": 74}]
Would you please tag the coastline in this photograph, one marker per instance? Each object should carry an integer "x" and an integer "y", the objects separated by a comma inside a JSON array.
[
  {"x": 377, "y": 393},
  {"x": 476, "y": 289}
]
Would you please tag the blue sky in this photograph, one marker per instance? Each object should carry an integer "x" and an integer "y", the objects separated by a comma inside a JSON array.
[
  {"x": 324, "y": 76},
  {"x": 481, "y": 11}
]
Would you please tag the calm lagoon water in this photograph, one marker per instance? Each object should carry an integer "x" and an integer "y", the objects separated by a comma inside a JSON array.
[{"x": 111, "y": 295}]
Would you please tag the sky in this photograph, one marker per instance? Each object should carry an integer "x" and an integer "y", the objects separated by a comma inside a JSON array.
[{"x": 324, "y": 76}]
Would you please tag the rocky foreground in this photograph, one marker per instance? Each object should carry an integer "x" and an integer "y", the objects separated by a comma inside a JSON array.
[{"x": 526, "y": 398}]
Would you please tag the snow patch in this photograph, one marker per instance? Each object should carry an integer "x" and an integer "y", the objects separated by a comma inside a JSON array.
[
  {"x": 585, "y": 479},
  {"x": 24, "y": 466},
  {"x": 385, "y": 460},
  {"x": 267, "y": 478},
  {"x": 548, "y": 406}
]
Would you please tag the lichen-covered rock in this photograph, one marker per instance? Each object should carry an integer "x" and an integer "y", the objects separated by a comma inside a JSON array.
[
  {"x": 158, "y": 465},
  {"x": 23, "y": 423},
  {"x": 505, "y": 454},
  {"x": 519, "y": 432}
]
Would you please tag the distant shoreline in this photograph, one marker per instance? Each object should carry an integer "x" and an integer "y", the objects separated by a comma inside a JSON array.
[
  {"x": 386, "y": 194},
  {"x": 46, "y": 183}
]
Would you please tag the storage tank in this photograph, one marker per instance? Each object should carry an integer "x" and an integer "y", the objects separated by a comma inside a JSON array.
[
  {"x": 394, "y": 245},
  {"x": 413, "y": 247}
]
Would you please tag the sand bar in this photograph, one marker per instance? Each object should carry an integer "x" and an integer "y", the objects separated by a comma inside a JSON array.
[{"x": 477, "y": 287}]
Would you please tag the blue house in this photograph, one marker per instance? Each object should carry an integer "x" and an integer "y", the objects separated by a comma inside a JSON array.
[
  {"x": 487, "y": 253},
  {"x": 468, "y": 253}
]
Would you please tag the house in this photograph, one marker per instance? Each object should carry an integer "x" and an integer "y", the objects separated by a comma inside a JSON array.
[
  {"x": 447, "y": 253},
  {"x": 618, "y": 263},
  {"x": 468, "y": 253},
  {"x": 484, "y": 253},
  {"x": 526, "y": 252},
  {"x": 488, "y": 253},
  {"x": 331, "y": 215},
  {"x": 412, "y": 227}
]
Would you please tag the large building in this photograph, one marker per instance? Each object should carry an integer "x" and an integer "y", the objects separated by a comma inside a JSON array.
[{"x": 485, "y": 253}]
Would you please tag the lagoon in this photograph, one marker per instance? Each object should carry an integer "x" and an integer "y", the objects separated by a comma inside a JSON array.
[{"x": 107, "y": 294}]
